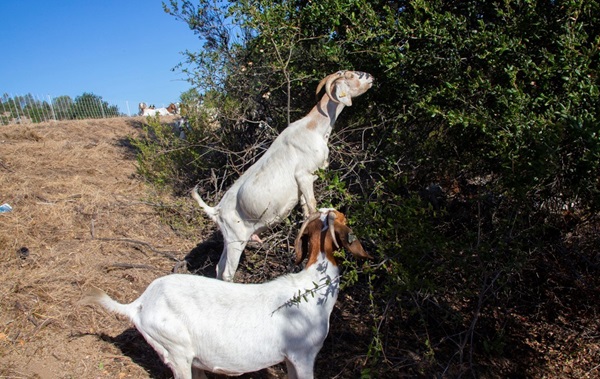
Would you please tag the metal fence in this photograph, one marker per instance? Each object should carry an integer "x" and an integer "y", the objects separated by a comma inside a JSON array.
[{"x": 24, "y": 109}]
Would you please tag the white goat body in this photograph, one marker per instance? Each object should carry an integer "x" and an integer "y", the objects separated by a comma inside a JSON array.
[
  {"x": 196, "y": 323},
  {"x": 144, "y": 110},
  {"x": 266, "y": 193}
]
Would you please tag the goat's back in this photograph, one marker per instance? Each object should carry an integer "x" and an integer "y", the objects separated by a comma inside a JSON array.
[{"x": 238, "y": 327}]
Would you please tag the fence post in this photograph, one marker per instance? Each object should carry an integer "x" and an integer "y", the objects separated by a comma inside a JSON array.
[
  {"x": 101, "y": 108},
  {"x": 48, "y": 110},
  {"x": 3, "y": 111},
  {"x": 88, "y": 108},
  {"x": 17, "y": 106},
  {"x": 41, "y": 107},
  {"x": 51, "y": 107},
  {"x": 27, "y": 106}
]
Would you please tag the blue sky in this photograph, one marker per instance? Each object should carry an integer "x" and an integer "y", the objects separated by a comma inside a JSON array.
[{"x": 123, "y": 51}]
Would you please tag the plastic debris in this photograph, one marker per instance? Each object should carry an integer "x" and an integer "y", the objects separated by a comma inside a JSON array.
[{"x": 4, "y": 208}]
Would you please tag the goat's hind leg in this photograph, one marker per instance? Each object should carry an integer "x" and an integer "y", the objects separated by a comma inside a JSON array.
[
  {"x": 299, "y": 370},
  {"x": 230, "y": 259},
  {"x": 181, "y": 368},
  {"x": 175, "y": 357},
  {"x": 198, "y": 374}
]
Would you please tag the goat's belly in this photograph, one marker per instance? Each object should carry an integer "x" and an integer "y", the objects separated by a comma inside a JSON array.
[
  {"x": 269, "y": 202},
  {"x": 237, "y": 364}
]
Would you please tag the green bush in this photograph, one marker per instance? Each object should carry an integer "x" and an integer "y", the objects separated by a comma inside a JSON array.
[{"x": 458, "y": 167}]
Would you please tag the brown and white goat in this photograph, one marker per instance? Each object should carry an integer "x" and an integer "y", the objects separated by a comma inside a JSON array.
[
  {"x": 199, "y": 324},
  {"x": 145, "y": 110},
  {"x": 266, "y": 193}
]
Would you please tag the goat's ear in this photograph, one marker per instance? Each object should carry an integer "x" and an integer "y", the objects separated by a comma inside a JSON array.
[
  {"x": 350, "y": 242},
  {"x": 302, "y": 241},
  {"x": 301, "y": 248},
  {"x": 342, "y": 93}
]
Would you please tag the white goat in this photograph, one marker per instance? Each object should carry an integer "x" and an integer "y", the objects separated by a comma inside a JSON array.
[
  {"x": 197, "y": 323},
  {"x": 152, "y": 111},
  {"x": 266, "y": 193}
]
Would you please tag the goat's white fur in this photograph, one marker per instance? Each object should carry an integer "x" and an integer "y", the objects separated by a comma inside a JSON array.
[
  {"x": 196, "y": 323},
  {"x": 144, "y": 110},
  {"x": 266, "y": 193}
]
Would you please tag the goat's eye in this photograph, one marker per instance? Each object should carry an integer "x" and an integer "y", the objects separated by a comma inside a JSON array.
[{"x": 351, "y": 237}]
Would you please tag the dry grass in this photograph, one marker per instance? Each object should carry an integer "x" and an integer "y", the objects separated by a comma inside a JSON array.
[{"x": 75, "y": 197}]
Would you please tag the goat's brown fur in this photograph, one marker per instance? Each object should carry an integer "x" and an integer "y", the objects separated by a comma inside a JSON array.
[{"x": 314, "y": 239}]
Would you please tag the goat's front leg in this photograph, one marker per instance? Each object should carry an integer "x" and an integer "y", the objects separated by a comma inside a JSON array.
[
  {"x": 305, "y": 211},
  {"x": 307, "y": 199}
]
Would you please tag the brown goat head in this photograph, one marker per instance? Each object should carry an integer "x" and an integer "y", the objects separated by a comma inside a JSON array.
[{"x": 326, "y": 231}]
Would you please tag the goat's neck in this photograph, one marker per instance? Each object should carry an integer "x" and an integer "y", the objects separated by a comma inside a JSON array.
[
  {"x": 322, "y": 279},
  {"x": 324, "y": 115},
  {"x": 325, "y": 273}
]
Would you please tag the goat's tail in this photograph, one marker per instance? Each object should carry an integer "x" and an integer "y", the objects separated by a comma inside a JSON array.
[
  {"x": 95, "y": 296},
  {"x": 210, "y": 211}
]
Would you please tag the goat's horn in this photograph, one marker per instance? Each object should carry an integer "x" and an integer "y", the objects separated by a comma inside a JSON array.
[
  {"x": 298, "y": 242},
  {"x": 328, "y": 82},
  {"x": 321, "y": 84},
  {"x": 330, "y": 224}
]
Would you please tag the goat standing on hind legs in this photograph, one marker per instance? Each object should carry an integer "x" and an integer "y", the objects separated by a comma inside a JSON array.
[
  {"x": 199, "y": 324},
  {"x": 266, "y": 193}
]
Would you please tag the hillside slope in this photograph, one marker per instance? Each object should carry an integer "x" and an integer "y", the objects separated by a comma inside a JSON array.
[{"x": 79, "y": 217}]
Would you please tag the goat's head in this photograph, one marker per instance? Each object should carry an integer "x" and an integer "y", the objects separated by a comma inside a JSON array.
[
  {"x": 342, "y": 86},
  {"x": 172, "y": 108},
  {"x": 142, "y": 106},
  {"x": 324, "y": 231}
]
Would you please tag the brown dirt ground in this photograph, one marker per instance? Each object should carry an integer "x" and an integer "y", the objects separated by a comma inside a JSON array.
[{"x": 81, "y": 213}]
